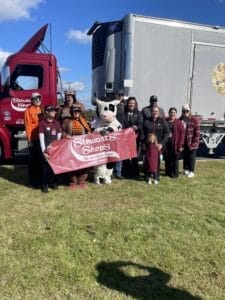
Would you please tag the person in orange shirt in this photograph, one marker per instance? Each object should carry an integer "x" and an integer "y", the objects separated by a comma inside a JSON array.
[{"x": 31, "y": 122}]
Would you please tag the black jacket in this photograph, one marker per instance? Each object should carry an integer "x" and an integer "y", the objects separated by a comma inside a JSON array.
[
  {"x": 134, "y": 119},
  {"x": 146, "y": 112},
  {"x": 159, "y": 127}
]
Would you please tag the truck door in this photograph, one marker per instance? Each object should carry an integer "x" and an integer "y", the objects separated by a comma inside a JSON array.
[{"x": 204, "y": 99}]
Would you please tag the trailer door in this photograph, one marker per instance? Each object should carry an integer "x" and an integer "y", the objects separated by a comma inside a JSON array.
[{"x": 204, "y": 98}]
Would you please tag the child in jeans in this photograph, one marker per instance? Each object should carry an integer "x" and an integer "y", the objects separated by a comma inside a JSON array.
[{"x": 152, "y": 157}]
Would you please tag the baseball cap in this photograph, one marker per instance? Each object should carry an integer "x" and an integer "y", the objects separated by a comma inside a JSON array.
[
  {"x": 76, "y": 108},
  {"x": 35, "y": 95},
  {"x": 185, "y": 107},
  {"x": 153, "y": 98},
  {"x": 120, "y": 92},
  {"x": 50, "y": 108}
]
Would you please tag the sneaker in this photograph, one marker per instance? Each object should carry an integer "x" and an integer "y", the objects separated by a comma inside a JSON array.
[
  {"x": 156, "y": 182},
  {"x": 149, "y": 181},
  {"x": 190, "y": 175},
  {"x": 73, "y": 187},
  {"x": 174, "y": 176},
  {"x": 83, "y": 185},
  {"x": 44, "y": 189},
  {"x": 119, "y": 177},
  {"x": 186, "y": 172},
  {"x": 54, "y": 186}
]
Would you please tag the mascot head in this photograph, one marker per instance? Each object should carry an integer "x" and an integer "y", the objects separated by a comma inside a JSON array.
[{"x": 107, "y": 110}]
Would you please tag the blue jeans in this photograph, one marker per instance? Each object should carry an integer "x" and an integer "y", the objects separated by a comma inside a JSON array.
[{"x": 118, "y": 168}]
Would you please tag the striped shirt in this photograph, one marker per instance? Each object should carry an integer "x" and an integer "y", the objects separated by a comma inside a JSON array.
[{"x": 80, "y": 126}]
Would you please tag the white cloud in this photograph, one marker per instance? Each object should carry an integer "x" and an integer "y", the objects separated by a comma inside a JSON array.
[
  {"x": 64, "y": 69},
  {"x": 78, "y": 86},
  {"x": 3, "y": 56},
  {"x": 78, "y": 36},
  {"x": 17, "y": 9}
]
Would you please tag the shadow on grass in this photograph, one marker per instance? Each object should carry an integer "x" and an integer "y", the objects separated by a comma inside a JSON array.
[
  {"x": 19, "y": 174},
  {"x": 16, "y": 174},
  {"x": 151, "y": 284}
]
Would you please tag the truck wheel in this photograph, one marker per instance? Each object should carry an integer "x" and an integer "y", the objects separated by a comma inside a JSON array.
[{"x": 1, "y": 152}]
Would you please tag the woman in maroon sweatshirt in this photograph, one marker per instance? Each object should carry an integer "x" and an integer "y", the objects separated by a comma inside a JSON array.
[{"x": 174, "y": 145}]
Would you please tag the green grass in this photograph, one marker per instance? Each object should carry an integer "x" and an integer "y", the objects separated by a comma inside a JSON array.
[{"x": 123, "y": 241}]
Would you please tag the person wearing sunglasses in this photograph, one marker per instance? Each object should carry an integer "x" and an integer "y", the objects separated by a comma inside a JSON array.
[
  {"x": 191, "y": 140},
  {"x": 31, "y": 122}
]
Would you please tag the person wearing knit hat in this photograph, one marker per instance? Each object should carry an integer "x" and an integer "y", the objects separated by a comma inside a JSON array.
[
  {"x": 191, "y": 140},
  {"x": 70, "y": 100}
]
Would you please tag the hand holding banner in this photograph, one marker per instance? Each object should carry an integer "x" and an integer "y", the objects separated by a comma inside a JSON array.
[{"x": 83, "y": 151}]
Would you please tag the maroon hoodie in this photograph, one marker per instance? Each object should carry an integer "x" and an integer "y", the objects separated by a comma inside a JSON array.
[{"x": 152, "y": 158}]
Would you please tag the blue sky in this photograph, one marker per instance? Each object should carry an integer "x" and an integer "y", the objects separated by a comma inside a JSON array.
[{"x": 70, "y": 19}]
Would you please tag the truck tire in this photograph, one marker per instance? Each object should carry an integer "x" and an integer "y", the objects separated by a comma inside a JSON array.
[{"x": 1, "y": 152}]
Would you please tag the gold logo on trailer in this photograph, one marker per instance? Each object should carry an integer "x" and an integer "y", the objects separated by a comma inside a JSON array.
[{"x": 218, "y": 78}]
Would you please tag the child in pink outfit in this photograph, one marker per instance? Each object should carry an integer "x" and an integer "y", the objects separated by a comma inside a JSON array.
[{"x": 152, "y": 158}]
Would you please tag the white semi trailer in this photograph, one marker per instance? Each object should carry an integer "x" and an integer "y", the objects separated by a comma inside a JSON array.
[{"x": 179, "y": 62}]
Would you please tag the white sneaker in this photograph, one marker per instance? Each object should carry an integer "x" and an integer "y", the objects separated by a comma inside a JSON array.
[
  {"x": 149, "y": 181},
  {"x": 156, "y": 182},
  {"x": 190, "y": 175},
  {"x": 186, "y": 172}
]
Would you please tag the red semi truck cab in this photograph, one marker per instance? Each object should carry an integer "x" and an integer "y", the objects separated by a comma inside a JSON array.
[{"x": 23, "y": 73}]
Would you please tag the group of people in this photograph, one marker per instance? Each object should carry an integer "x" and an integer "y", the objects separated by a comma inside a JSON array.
[
  {"x": 156, "y": 135},
  {"x": 159, "y": 136},
  {"x": 45, "y": 125}
]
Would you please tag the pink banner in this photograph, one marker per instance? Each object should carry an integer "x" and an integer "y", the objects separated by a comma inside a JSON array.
[{"x": 90, "y": 150}]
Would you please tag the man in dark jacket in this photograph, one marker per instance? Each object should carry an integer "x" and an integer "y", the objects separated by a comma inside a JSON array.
[{"x": 153, "y": 101}]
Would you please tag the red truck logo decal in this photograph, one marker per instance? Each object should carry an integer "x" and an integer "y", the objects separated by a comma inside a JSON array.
[{"x": 20, "y": 104}]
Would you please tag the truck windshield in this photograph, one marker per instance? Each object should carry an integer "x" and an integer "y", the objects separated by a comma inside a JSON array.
[{"x": 27, "y": 77}]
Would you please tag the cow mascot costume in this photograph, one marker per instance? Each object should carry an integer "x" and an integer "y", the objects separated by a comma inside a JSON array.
[{"x": 106, "y": 122}]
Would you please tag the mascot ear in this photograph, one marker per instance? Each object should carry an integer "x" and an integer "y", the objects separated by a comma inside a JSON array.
[
  {"x": 98, "y": 102},
  {"x": 115, "y": 102}
]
